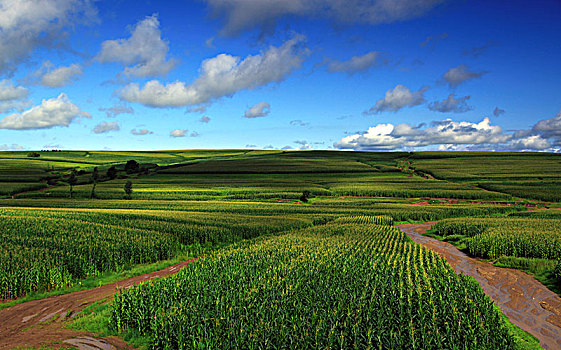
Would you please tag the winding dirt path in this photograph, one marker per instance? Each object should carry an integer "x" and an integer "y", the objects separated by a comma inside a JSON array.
[
  {"x": 525, "y": 301},
  {"x": 41, "y": 322}
]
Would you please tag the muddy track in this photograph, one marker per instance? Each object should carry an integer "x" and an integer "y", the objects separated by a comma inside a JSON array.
[
  {"x": 525, "y": 301},
  {"x": 41, "y": 322}
]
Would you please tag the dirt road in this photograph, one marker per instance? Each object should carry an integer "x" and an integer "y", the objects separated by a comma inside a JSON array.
[
  {"x": 41, "y": 322},
  {"x": 525, "y": 301}
]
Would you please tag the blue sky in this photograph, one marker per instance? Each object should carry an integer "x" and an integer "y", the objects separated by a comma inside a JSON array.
[{"x": 293, "y": 74}]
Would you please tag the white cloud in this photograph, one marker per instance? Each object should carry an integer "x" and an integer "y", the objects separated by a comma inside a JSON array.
[
  {"x": 304, "y": 145},
  {"x": 447, "y": 132},
  {"x": 451, "y": 104},
  {"x": 178, "y": 133},
  {"x": 204, "y": 119},
  {"x": 397, "y": 99},
  {"x": 12, "y": 97},
  {"x": 9, "y": 106},
  {"x": 141, "y": 132},
  {"x": 10, "y": 92},
  {"x": 262, "y": 109},
  {"x": 144, "y": 53},
  {"x": 26, "y": 25},
  {"x": 549, "y": 128},
  {"x": 105, "y": 127},
  {"x": 53, "y": 112},
  {"x": 533, "y": 142},
  {"x": 457, "y": 75},
  {"x": 116, "y": 110},
  {"x": 194, "y": 134},
  {"x": 61, "y": 76},
  {"x": 223, "y": 75},
  {"x": 357, "y": 63},
  {"x": 242, "y": 15},
  {"x": 12, "y": 147}
]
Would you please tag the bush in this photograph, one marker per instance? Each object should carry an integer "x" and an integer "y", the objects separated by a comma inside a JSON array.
[
  {"x": 132, "y": 167},
  {"x": 33, "y": 154}
]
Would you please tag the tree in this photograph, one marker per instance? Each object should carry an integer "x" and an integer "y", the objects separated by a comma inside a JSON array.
[
  {"x": 132, "y": 166},
  {"x": 72, "y": 180},
  {"x": 95, "y": 176},
  {"x": 112, "y": 172},
  {"x": 33, "y": 154},
  {"x": 128, "y": 189},
  {"x": 305, "y": 195}
]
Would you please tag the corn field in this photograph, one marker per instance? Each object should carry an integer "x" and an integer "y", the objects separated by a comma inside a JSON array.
[
  {"x": 331, "y": 286},
  {"x": 519, "y": 237},
  {"x": 48, "y": 249}
]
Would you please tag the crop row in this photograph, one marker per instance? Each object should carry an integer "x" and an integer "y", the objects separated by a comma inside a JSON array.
[
  {"x": 517, "y": 236},
  {"x": 47, "y": 249},
  {"x": 330, "y": 286},
  {"x": 322, "y": 207}
]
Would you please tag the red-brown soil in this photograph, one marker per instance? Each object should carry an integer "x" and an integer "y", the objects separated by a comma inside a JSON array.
[
  {"x": 525, "y": 301},
  {"x": 41, "y": 322}
]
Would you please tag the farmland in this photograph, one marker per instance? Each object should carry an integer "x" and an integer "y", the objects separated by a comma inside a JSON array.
[{"x": 299, "y": 247}]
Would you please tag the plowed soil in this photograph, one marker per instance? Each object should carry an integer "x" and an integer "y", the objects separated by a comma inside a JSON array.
[
  {"x": 525, "y": 301},
  {"x": 41, "y": 322}
]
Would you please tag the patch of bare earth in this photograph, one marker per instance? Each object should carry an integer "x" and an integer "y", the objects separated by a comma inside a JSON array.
[
  {"x": 525, "y": 301},
  {"x": 42, "y": 322}
]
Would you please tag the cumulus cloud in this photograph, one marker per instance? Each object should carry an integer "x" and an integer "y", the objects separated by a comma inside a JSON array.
[
  {"x": 12, "y": 147},
  {"x": 498, "y": 112},
  {"x": 549, "y": 128},
  {"x": 304, "y": 145},
  {"x": 141, "y": 132},
  {"x": 451, "y": 105},
  {"x": 204, "y": 119},
  {"x": 262, "y": 109},
  {"x": 545, "y": 135},
  {"x": 532, "y": 142},
  {"x": 357, "y": 63},
  {"x": 116, "y": 110},
  {"x": 223, "y": 75},
  {"x": 12, "y": 97},
  {"x": 105, "y": 127},
  {"x": 58, "y": 77},
  {"x": 27, "y": 25},
  {"x": 457, "y": 75},
  {"x": 389, "y": 136},
  {"x": 144, "y": 53},
  {"x": 178, "y": 133},
  {"x": 10, "y": 92},
  {"x": 397, "y": 99},
  {"x": 59, "y": 111},
  {"x": 299, "y": 122},
  {"x": 241, "y": 15}
]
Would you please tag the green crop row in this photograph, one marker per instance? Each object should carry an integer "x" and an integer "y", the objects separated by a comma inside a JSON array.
[
  {"x": 43, "y": 253},
  {"x": 44, "y": 249},
  {"x": 322, "y": 207},
  {"x": 331, "y": 286},
  {"x": 516, "y": 236}
]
